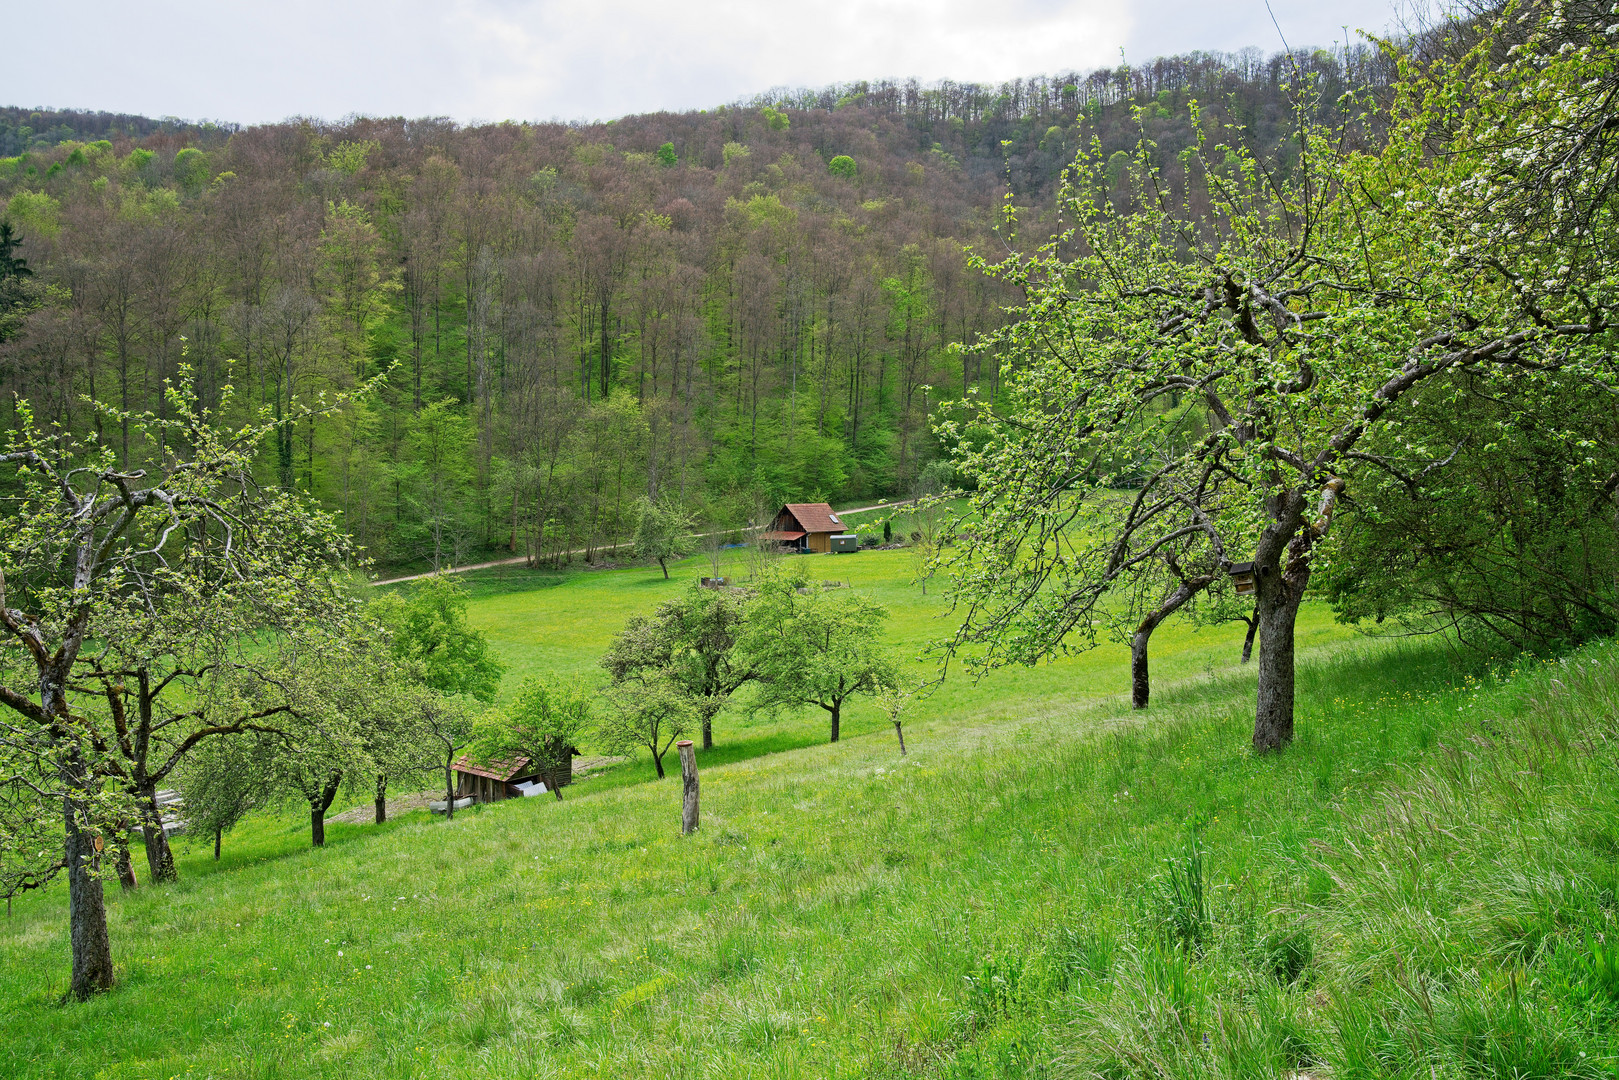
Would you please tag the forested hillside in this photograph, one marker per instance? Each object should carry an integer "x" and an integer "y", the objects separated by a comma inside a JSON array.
[
  {"x": 25, "y": 130},
  {"x": 716, "y": 309}
]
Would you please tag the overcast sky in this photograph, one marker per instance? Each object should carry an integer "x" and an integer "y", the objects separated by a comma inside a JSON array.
[{"x": 586, "y": 59}]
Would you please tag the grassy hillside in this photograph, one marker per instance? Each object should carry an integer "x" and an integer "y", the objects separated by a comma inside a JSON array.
[
  {"x": 545, "y": 622},
  {"x": 1047, "y": 886}
]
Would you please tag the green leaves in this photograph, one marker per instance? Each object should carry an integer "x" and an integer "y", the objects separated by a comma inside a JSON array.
[
  {"x": 431, "y": 636},
  {"x": 545, "y": 722},
  {"x": 1196, "y": 380},
  {"x": 662, "y": 532},
  {"x": 808, "y": 645}
]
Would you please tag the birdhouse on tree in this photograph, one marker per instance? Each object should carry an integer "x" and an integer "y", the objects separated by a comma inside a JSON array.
[{"x": 1242, "y": 576}]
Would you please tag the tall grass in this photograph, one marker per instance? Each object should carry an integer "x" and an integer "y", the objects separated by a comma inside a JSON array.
[
  {"x": 1456, "y": 917},
  {"x": 1424, "y": 885}
]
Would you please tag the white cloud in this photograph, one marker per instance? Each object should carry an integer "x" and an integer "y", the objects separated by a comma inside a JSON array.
[{"x": 537, "y": 59}]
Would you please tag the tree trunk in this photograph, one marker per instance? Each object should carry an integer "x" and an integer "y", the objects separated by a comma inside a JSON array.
[
  {"x": 836, "y": 711},
  {"x": 218, "y": 836},
  {"x": 159, "y": 856},
  {"x": 900, "y": 734},
  {"x": 1273, "y": 722},
  {"x": 1248, "y": 642},
  {"x": 708, "y": 732},
  {"x": 449, "y": 793},
  {"x": 664, "y": 568},
  {"x": 1279, "y": 592},
  {"x": 1140, "y": 684},
  {"x": 381, "y": 800},
  {"x": 126, "y": 864},
  {"x": 86, "y": 911},
  {"x": 657, "y": 760},
  {"x": 318, "y": 808}
]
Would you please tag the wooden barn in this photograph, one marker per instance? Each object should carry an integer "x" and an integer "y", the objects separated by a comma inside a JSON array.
[
  {"x": 497, "y": 780},
  {"x": 805, "y": 527}
]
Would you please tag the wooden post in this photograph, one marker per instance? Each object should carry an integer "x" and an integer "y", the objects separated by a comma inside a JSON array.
[{"x": 688, "y": 777}]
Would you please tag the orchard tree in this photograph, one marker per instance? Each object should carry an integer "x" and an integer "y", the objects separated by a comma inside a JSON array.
[
  {"x": 217, "y": 786},
  {"x": 662, "y": 533},
  {"x": 1221, "y": 604},
  {"x": 543, "y": 724},
  {"x": 433, "y": 646},
  {"x": 930, "y": 524},
  {"x": 351, "y": 726},
  {"x": 813, "y": 646},
  {"x": 339, "y": 720},
  {"x": 93, "y": 555},
  {"x": 445, "y": 729},
  {"x": 692, "y": 641},
  {"x": 894, "y": 702},
  {"x": 1156, "y": 589},
  {"x": 156, "y": 667},
  {"x": 647, "y": 710},
  {"x": 428, "y": 631},
  {"x": 1487, "y": 511},
  {"x": 1488, "y": 514},
  {"x": 1227, "y": 357}
]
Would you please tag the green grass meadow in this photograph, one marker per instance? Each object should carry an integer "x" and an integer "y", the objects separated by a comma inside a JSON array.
[{"x": 1424, "y": 885}]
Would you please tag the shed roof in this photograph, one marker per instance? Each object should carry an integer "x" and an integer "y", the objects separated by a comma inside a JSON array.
[
  {"x": 785, "y": 535},
  {"x": 495, "y": 770},
  {"x": 815, "y": 517}
]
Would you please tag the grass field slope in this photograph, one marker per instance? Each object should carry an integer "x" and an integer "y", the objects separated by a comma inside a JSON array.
[{"x": 1048, "y": 885}]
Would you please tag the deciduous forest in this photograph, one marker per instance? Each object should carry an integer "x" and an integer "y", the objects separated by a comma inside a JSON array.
[{"x": 716, "y": 309}]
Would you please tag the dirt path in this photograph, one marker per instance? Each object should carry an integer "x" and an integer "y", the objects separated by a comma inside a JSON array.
[{"x": 580, "y": 551}]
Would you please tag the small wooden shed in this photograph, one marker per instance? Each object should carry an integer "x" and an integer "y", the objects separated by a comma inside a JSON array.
[
  {"x": 493, "y": 781},
  {"x": 805, "y": 527}
]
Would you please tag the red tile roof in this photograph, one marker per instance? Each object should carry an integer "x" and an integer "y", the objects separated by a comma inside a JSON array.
[
  {"x": 782, "y": 535},
  {"x": 815, "y": 517},
  {"x": 494, "y": 770}
]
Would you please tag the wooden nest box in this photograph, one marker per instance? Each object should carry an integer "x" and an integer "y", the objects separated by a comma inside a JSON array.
[{"x": 1242, "y": 576}]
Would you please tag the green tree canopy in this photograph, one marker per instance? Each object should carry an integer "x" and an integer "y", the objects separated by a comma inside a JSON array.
[
  {"x": 544, "y": 724},
  {"x": 807, "y": 645},
  {"x": 153, "y": 608},
  {"x": 1227, "y": 358},
  {"x": 647, "y": 711},
  {"x": 662, "y": 532},
  {"x": 692, "y": 641},
  {"x": 430, "y": 634}
]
